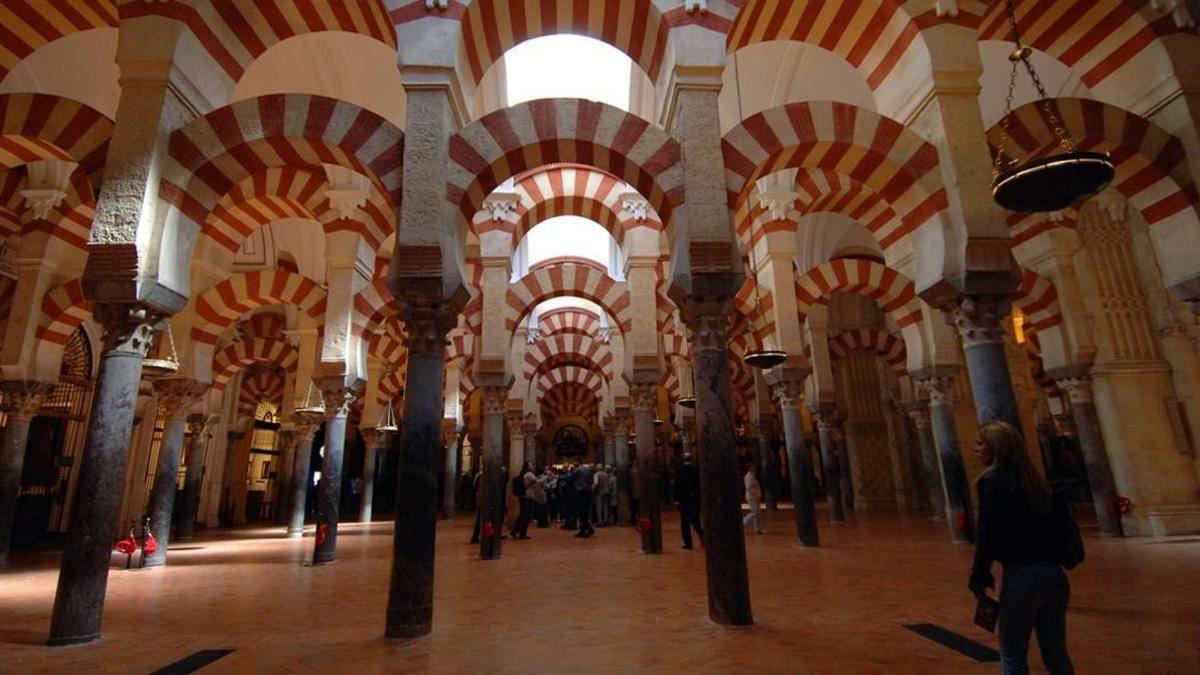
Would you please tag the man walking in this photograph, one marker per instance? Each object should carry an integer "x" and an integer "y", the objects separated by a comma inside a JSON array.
[{"x": 687, "y": 495}]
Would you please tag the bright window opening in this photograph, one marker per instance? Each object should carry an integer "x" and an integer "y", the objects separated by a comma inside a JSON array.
[{"x": 568, "y": 66}]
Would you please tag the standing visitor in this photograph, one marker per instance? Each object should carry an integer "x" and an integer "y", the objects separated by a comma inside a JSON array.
[
  {"x": 754, "y": 499},
  {"x": 600, "y": 487},
  {"x": 687, "y": 495},
  {"x": 520, "y": 490},
  {"x": 566, "y": 491},
  {"x": 613, "y": 495},
  {"x": 581, "y": 482},
  {"x": 537, "y": 492},
  {"x": 1032, "y": 536}
]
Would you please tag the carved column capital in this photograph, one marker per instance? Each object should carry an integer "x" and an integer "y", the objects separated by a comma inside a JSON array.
[
  {"x": 980, "y": 319},
  {"x": 828, "y": 418},
  {"x": 176, "y": 395},
  {"x": 372, "y": 437},
  {"x": 338, "y": 399},
  {"x": 708, "y": 331},
  {"x": 306, "y": 425},
  {"x": 493, "y": 400},
  {"x": 919, "y": 414},
  {"x": 125, "y": 327},
  {"x": 287, "y": 440},
  {"x": 426, "y": 323},
  {"x": 641, "y": 396},
  {"x": 1078, "y": 389},
  {"x": 787, "y": 394},
  {"x": 940, "y": 389},
  {"x": 23, "y": 398},
  {"x": 202, "y": 424},
  {"x": 621, "y": 424}
]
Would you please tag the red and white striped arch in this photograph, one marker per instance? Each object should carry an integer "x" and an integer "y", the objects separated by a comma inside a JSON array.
[
  {"x": 872, "y": 341},
  {"x": 879, "y": 153},
  {"x": 892, "y": 291},
  {"x": 570, "y": 400},
  {"x": 260, "y": 384},
  {"x": 1097, "y": 39},
  {"x": 210, "y": 156},
  {"x": 37, "y": 127},
  {"x": 63, "y": 309},
  {"x": 1151, "y": 169},
  {"x": 877, "y": 37},
  {"x": 240, "y": 354},
  {"x": 580, "y": 279},
  {"x": 491, "y": 27},
  {"x": 391, "y": 386},
  {"x": 529, "y": 135},
  {"x": 70, "y": 221},
  {"x": 569, "y": 320},
  {"x": 676, "y": 346},
  {"x": 221, "y": 305},
  {"x": 289, "y": 192},
  {"x": 373, "y": 307},
  {"x": 29, "y": 25},
  {"x": 1037, "y": 298},
  {"x": 571, "y": 346},
  {"x": 567, "y": 190},
  {"x": 586, "y": 377},
  {"x": 237, "y": 33}
]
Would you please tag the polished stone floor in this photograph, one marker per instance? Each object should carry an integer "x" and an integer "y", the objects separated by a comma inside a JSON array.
[{"x": 560, "y": 604}]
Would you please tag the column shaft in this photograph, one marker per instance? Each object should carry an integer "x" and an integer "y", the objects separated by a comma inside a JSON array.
[
  {"x": 1095, "y": 454},
  {"x": 189, "y": 500},
  {"x": 330, "y": 490},
  {"x": 801, "y": 470},
  {"x": 830, "y": 466},
  {"x": 624, "y": 488},
  {"x": 300, "y": 470},
  {"x": 929, "y": 460},
  {"x": 166, "y": 477},
  {"x": 22, "y": 401},
  {"x": 649, "y": 473},
  {"x": 768, "y": 470},
  {"x": 979, "y": 322},
  {"x": 373, "y": 440},
  {"x": 845, "y": 473},
  {"x": 450, "y": 475},
  {"x": 954, "y": 474},
  {"x": 83, "y": 577},
  {"x": 492, "y": 483}
]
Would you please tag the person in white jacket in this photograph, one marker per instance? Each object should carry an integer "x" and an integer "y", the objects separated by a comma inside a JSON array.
[{"x": 754, "y": 499}]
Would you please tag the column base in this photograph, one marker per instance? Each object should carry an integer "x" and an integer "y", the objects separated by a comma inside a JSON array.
[
  {"x": 409, "y": 631},
  {"x": 69, "y": 640},
  {"x": 295, "y": 534},
  {"x": 1162, "y": 521},
  {"x": 323, "y": 560}
]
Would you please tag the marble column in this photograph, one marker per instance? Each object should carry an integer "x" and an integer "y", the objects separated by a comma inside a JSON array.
[
  {"x": 1095, "y": 454},
  {"x": 306, "y": 428},
  {"x": 410, "y": 588},
  {"x": 767, "y": 468},
  {"x": 980, "y": 322},
  {"x": 843, "y": 459},
  {"x": 492, "y": 483},
  {"x": 452, "y": 440},
  {"x": 954, "y": 473},
  {"x": 721, "y": 488},
  {"x": 933, "y": 481},
  {"x": 22, "y": 399},
  {"x": 176, "y": 396},
  {"x": 83, "y": 576},
  {"x": 610, "y": 443},
  {"x": 787, "y": 394},
  {"x": 641, "y": 402},
  {"x": 373, "y": 440},
  {"x": 624, "y": 487},
  {"x": 827, "y": 421},
  {"x": 898, "y": 456},
  {"x": 529, "y": 429},
  {"x": 285, "y": 443},
  {"x": 189, "y": 500},
  {"x": 338, "y": 398}
]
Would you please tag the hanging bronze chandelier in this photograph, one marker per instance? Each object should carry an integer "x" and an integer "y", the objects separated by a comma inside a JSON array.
[{"x": 1048, "y": 183}]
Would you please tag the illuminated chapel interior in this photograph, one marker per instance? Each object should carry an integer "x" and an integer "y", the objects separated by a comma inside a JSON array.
[{"x": 271, "y": 272}]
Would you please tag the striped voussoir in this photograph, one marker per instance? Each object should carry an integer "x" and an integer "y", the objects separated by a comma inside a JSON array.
[
  {"x": 374, "y": 305},
  {"x": 391, "y": 385},
  {"x": 891, "y": 290},
  {"x": 580, "y": 279},
  {"x": 570, "y": 399},
  {"x": 586, "y": 377},
  {"x": 262, "y": 384},
  {"x": 244, "y": 352},
  {"x": 491, "y": 27},
  {"x": 460, "y": 345},
  {"x": 1037, "y": 298},
  {"x": 1152, "y": 171},
  {"x": 569, "y": 320},
  {"x": 36, "y": 127},
  {"x": 387, "y": 341},
  {"x": 70, "y": 221},
  {"x": 236, "y": 33},
  {"x": 756, "y": 307},
  {"x": 1097, "y": 39},
  {"x": 669, "y": 381},
  {"x": 290, "y": 192},
  {"x": 1025, "y": 226},
  {"x": 568, "y": 346},
  {"x": 528, "y": 135},
  {"x": 210, "y": 156},
  {"x": 875, "y": 36},
  {"x": 872, "y": 341},
  {"x": 63, "y": 309},
  {"x": 878, "y": 152},
  {"x": 676, "y": 346},
  {"x": 29, "y": 25},
  {"x": 222, "y": 304}
]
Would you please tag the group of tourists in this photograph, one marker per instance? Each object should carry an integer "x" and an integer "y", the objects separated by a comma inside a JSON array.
[{"x": 580, "y": 496}]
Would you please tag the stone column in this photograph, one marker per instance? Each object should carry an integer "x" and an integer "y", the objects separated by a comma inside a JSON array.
[
  {"x": 176, "y": 396},
  {"x": 721, "y": 489},
  {"x": 845, "y": 474},
  {"x": 610, "y": 442},
  {"x": 624, "y": 489},
  {"x": 285, "y": 442},
  {"x": 641, "y": 402},
  {"x": 83, "y": 577},
  {"x": 338, "y": 398},
  {"x": 827, "y": 421},
  {"x": 954, "y": 473},
  {"x": 22, "y": 399},
  {"x": 306, "y": 428},
  {"x": 410, "y": 589},
  {"x": 899, "y": 452},
  {"x": 980, "y": 324},
  {"x": 492, "y": 483},
  {"x": 452, "y": 439},
  {"x": 372, "y": 441},
  {"x": 189, "y": 501},
  {"x": 767, "y": 467},
  {"x": 787, "y": 394},
  {"x": 529, "y": 429},
  {"x": 937, "y": 500},
  {"x": 1095, "y": 455}
]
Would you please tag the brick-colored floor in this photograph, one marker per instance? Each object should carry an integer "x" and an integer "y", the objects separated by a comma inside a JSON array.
[{"x": 560, "y": 604}]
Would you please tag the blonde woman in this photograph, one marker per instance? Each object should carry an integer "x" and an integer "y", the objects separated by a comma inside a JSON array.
[{"x": 1033, "y": 538}]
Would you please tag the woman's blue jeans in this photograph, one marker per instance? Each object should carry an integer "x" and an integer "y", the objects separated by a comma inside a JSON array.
[{"x": 1034, "y": 597}]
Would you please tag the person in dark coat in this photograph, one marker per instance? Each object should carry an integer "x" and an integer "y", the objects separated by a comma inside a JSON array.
[
  {"x": 582, "y": 480},
  {"x": 687, "y": 496}
]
